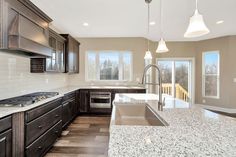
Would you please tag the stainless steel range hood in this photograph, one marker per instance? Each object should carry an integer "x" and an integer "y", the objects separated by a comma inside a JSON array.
[{"x": 23, "y": 30}]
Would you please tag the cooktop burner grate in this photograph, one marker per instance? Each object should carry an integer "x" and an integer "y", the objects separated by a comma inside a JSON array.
[{"x": 26, "y": 100}]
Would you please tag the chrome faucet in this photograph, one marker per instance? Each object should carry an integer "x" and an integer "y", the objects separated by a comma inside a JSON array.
[{"x": 159, "y": 84}]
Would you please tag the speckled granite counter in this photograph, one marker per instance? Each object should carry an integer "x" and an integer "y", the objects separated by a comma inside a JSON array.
[{"x": 192, "y": 131}]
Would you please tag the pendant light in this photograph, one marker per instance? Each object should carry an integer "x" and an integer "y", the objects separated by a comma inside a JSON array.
[
  {"x": 162, "y": 48},
  {"x": 196, "y": 26},
  {"x": 148, "y": 54}
]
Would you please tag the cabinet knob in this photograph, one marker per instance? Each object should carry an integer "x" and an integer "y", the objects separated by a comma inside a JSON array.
[
  {"x": 40, "y": 147},
  {"x": 56, "y": 131},
  {"x": 56, "y": 116},
  {"x": 40, "y": 126}
]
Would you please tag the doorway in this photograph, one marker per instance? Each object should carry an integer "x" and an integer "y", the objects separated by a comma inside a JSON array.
[{"x": 177, "y": 78}]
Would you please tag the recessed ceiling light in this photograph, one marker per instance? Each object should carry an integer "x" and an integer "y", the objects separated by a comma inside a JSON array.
[
  {"x": 85, "y": 24},
  {"x": 220, "y": 22},
  {"x": 152, "y": 23}
]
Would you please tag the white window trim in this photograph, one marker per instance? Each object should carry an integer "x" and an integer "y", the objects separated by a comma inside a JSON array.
[
  {"x": 204, "y": 75},
  {"x": 98, "y": 69},
  {"x": 191, "y": 74}
]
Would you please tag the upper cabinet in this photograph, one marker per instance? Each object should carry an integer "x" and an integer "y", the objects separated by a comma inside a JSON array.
[
  {"x": 24, "y": 27},
  {"x": 56, "y": 63},
  {"x": 72, "y": 54}
]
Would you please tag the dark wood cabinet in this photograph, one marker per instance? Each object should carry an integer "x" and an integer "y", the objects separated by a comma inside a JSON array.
[
  {"x": 43, "y": 126},
  {"x": 6, "y": 144},
  {"x": 69, "y": 108},
  {"x": 40, "y": 147},
  {"x": 38, "y": 126},
  {"x": 56, "y": 63},
  {"x": 72, "y": 54},
  {"x": 83, "y": 101},
  {"x": 6, "y": 137}
]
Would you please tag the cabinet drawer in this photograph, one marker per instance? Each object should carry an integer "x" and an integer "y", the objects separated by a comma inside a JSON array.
[
  {"x": 40, "y": 147},
  {"x": 36, "y": 112},
  {"x": 69, "y": 96},
  {"x": 5, "y": 123},
  {"x": 6, "y": 144},
  {"x": 38, "y": 126}
]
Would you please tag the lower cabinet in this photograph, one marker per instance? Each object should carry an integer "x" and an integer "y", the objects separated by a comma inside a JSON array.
[
  {"x": 6, "y": 144},
  {"x": 5, "y": 137},
  {"x": 40, "y": 147},
  {"x": 69, "y": 108},
  {"x": 43, "y": 125},
  {"x": 83, "y": 101}
]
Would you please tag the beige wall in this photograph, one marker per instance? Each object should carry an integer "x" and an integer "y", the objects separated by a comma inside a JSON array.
[
  {"x": 136, "y": 45},
  {"x": 226, "y": 46}
]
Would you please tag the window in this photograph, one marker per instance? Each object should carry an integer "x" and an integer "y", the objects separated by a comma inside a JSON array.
[
  {"x": 210, "y": 74},
  {"x": 108, "y": 65}
]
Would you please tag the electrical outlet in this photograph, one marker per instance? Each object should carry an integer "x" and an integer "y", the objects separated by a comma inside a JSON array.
[
  {"x": 137, "y": 79},
  {"x": 203, "y": 101},
  {"x": 47, "y": 81}
]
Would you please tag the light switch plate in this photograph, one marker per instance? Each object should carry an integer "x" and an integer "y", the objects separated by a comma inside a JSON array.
[{"x": 203, "y": 101}]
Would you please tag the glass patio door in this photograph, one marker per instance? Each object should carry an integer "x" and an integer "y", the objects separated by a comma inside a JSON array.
[{"x": 176, "y": 78}]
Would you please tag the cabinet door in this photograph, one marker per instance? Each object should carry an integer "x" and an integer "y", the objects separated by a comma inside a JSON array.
[
  {"x": 84, "y": 101},
  {"x": 51, "y": 62},
  {"x": 74, "y": 108},
  {"x": 76, "y": 57},
  {"x": 6, "y": 144},
  {"x": 70, "y": 55},
  {"x": 60, "y": 56},
  {"x": 66, "y": 113}
]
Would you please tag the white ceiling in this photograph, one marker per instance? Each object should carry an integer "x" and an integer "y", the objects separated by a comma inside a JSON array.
[{"x": 128, "y": 18}]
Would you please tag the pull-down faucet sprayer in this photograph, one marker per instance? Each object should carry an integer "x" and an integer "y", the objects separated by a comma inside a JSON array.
[{"x": 159, "y": 84}]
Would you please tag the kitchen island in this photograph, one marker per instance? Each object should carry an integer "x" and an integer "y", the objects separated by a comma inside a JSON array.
[{"x": 191, "y": 131}]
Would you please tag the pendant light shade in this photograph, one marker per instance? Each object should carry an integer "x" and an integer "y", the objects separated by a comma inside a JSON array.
[
  {"x": 162, "y": 48},
  {"x": 148, "y": 55},
  {"x": 196, "y": 26}
]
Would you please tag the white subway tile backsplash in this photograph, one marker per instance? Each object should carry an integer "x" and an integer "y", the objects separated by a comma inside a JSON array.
[{"x": 16, "y": 79}]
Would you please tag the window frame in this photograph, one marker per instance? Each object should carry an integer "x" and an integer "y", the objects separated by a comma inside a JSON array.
[
  {"x": 204, "y": 75},
  {"x": 121, "y": 70}
]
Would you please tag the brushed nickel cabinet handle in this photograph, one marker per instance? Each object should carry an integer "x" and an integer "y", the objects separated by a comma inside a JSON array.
[
  {"x": 40, "y": 147},
  {"x": 2, "y": 139},
  {"x": 56, "y": 116},
  {"x": 40, "y": 127}
]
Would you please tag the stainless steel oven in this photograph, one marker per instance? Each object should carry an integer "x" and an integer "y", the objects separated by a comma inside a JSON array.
[{"x": 100, "y": 100}]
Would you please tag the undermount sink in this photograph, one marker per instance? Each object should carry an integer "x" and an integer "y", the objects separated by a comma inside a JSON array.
[{"x": 136, "y": 114}]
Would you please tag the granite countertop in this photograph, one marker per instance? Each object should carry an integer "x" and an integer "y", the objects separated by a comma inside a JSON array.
[
  {"x": 191, "y": 131},
  {"x": 5, "y": 111}
]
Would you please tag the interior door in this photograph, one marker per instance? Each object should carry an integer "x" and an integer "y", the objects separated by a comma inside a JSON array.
[{"x": 176, "y": 78}]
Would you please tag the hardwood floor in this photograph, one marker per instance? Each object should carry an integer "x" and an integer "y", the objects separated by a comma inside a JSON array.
[{"x": 85, "y": 137}]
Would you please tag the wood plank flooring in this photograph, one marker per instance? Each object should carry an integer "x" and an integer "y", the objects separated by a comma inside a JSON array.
[{"x": 85, "y": 137}]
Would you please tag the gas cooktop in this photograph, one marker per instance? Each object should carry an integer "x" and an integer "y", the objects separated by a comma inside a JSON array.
[{"x": 26, "y": 100}]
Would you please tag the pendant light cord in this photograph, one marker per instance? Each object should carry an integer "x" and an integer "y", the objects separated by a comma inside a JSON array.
[
  {"x": 161, "y": 18},
  {"x": 148, "y": 21},
  {"x": 197, "y": 4}
]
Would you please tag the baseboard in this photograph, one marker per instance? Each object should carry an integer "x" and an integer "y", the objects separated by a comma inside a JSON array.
[{"x": 220, "y": 109}]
